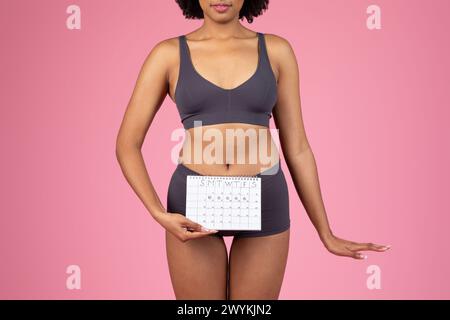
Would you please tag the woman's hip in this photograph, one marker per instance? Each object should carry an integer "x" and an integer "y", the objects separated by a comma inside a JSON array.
[{"x": 274, "y": 199}]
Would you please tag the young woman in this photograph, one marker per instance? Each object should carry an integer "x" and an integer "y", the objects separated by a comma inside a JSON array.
[{"x": 226, "y": 78}]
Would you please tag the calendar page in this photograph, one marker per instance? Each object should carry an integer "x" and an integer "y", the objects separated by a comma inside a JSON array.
[{"x": 224, "y": 202}]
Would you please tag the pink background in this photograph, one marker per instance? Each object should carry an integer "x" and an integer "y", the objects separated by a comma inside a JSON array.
[{"x": 376, "y": 110}]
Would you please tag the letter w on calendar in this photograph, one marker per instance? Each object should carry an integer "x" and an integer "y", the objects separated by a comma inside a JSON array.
[{"x": 224, "y": 202}]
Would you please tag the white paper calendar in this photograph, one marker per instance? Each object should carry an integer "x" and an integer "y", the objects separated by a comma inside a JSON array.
[{"x": 224, "y": 202}]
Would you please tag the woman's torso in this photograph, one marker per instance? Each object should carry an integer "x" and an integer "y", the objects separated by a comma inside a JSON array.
[{"x": 233, "y": 137}]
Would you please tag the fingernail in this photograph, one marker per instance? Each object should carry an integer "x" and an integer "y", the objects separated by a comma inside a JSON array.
[
  {"x": 388, "y": 246},
  {"x": 364, "y": 256},
  {"x": 214, "y": 230},
  {"x": 205, "y": 229}
]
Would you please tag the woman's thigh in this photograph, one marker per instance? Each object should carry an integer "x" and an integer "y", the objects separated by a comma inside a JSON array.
[
  {"x": 198, "y": 267},
  {"x": 257, "y": 266}
]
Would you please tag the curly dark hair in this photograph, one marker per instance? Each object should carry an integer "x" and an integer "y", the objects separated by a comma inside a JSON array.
[{"x": 250, "y": 9}]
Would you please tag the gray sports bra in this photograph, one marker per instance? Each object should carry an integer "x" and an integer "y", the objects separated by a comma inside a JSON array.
[{"x": 198, "y": 99}]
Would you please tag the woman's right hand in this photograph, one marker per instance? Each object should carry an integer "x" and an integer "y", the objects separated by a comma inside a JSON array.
[{"x": 183, "y": 228}]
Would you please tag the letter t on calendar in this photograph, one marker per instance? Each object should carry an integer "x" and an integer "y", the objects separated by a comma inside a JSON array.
[{"x": 224, "y": 202}]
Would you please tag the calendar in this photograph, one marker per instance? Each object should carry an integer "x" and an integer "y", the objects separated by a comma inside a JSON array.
[{"x": 224, "y": 202}]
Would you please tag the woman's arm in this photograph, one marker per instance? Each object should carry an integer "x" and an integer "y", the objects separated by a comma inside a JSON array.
[
  {"x": 298, "y": 153},
  {"x": 149, "y": 92}
]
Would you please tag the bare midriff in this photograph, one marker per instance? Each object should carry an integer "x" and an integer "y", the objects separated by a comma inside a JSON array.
[{"x": 233, "y": 149}]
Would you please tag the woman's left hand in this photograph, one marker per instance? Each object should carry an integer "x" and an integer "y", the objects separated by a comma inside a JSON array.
[{"x": 351, "y": 249}]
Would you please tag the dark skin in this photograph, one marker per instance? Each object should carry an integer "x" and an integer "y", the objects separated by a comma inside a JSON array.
[{"x": 187, "y": 239}]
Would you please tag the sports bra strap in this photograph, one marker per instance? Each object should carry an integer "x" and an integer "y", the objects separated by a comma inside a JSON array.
[
  {"x": 184, "y": 53},
  {"x": 265, "y": 56}
]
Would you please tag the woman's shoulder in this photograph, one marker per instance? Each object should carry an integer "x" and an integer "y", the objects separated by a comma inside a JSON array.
[
  {"x": 163, "y": 54},
  {"x": 166, "y": 46},
  {"x": 165, "y": 49},
  {"x": 277, "y": 43},
  {"x": 279, "y": 49}
]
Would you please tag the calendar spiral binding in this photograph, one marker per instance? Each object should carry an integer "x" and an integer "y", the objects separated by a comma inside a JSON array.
[{"x": 252, "y": 178}]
